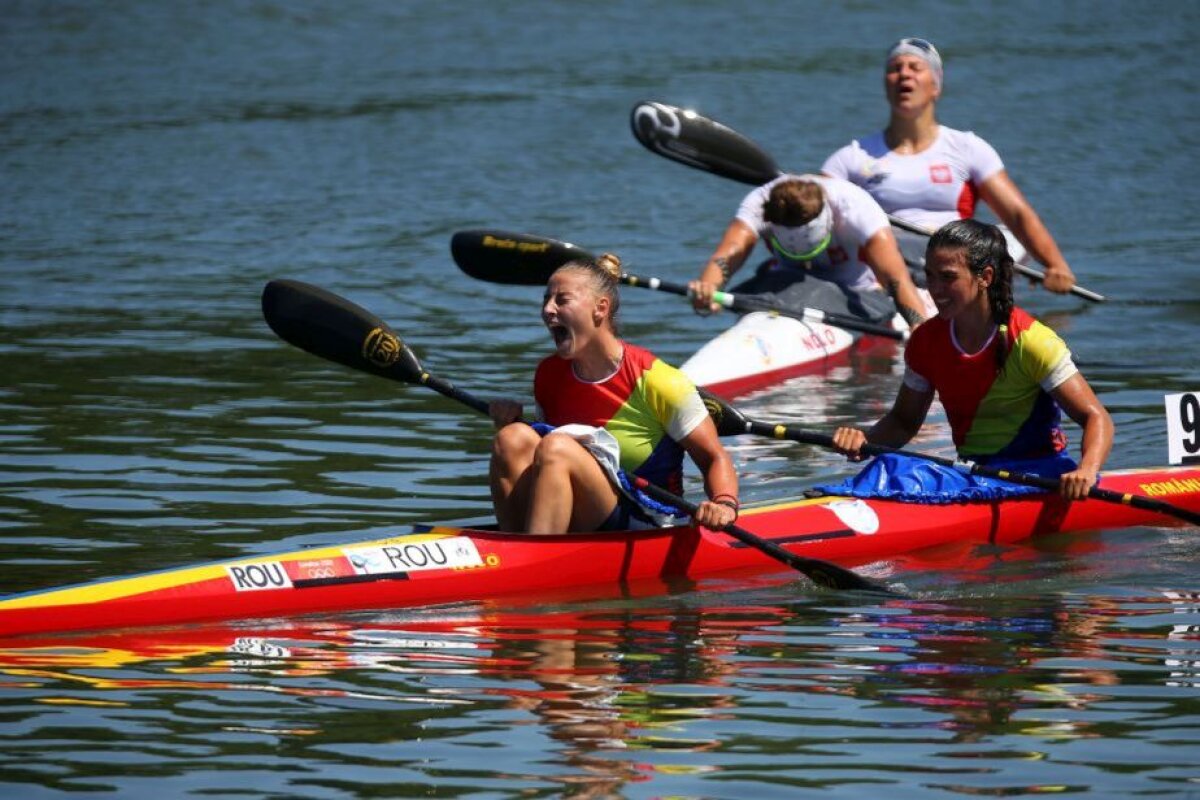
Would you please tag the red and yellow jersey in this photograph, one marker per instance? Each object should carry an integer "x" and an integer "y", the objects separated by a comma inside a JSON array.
[
  {"x": 1008, "y": 413},
  {"x": 647, "y": 405}
]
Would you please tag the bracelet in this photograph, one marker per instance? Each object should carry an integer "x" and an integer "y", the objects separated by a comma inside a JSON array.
[{"x": 728, "y": 501}]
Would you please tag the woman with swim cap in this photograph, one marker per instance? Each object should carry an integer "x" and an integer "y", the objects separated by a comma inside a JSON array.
[{"x": 928, "y": 174}]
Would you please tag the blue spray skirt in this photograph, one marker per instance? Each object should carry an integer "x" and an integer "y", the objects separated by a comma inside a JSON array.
[{"x": 916, "y": 480}]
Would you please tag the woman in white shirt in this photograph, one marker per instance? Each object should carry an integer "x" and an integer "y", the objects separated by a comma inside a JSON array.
[{"x": 927, "y": 174}]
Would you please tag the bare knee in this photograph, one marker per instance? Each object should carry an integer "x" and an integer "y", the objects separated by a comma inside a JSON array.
[
  {"x": 556, "y": 449},
  {"x": 515, "y": 443}
]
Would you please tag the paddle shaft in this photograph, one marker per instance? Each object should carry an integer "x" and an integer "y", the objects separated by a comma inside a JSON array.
[
  {"x": 1029, "y": 272},
  {"x": 447, "y": 389},
  {"x": 697, "y": 141},
  {"x": 818, "y": 571},
  {"x": 746, "y": 304},
  {"x": 970, "y": 467},
  {"x": 523, "y": 259}
]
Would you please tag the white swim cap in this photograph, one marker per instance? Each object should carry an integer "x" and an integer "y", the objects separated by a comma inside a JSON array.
[{"x": 921, "y": 48}]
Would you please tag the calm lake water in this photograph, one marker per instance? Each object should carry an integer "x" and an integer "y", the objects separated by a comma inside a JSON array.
[{"x": 162, "y": 161}]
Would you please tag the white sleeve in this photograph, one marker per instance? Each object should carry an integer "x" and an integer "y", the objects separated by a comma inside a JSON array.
[
  {"x": 838, "y": 164},
  {"x": 858, "y": 217},
  {"x": 751, "y": 210},
  {"x": 983, "y": 159},
  {"x": 689, "y": 416},
  {"x": 1063, "y": 370}
]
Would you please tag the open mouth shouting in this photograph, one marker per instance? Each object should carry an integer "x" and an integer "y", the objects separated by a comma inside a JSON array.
[{"x": 562, "y": 337}]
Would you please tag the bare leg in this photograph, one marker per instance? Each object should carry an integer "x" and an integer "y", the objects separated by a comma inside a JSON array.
[
  {"x": 509, "y": 474},
  {"x": 568, "y": 490}
]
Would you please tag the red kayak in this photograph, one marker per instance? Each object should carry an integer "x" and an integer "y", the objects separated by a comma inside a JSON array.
[{"x": 443, "y": 563}]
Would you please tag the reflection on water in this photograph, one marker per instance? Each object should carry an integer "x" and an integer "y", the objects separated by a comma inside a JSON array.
[{"x": 689, "y": 699}]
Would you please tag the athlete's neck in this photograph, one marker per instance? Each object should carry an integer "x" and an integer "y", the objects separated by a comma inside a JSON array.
[
  {"x": 909, "y": 135},
  {"x": 972, "y": 332},
  {"x": 600, "y": 361}
]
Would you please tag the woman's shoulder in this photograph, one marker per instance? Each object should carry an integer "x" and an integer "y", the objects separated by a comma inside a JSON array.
[
  {"x": 1027, "y": 329},
  {"x": 871, "y": 146},
  {"x": 928, "y": 347},
  {"x": 551, "y": 367},
  {"x": 637, "y": 355},
  {"x": 934, "y": 329},
  {"x": 1020, "y": 320},
  {"x": 642, "y": 364},
  {"x": 1035, "y": 345},
  {"x": 960, "y": 139},
  {"x": 661, "y": 385}
]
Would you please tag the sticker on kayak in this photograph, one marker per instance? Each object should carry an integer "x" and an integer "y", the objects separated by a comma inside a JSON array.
[
  {"x": 257, "y": 576},
  {"x": 262, "y": 575},
  {"x": 857, "y": 515},
  {"x": 452, "y": 553}
]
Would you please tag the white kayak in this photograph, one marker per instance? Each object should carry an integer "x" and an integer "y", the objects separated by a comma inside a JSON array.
[{"x": 762, "y": 349}]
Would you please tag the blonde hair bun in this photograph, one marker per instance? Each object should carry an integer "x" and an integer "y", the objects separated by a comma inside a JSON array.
[{"x": 610, "y": 264}]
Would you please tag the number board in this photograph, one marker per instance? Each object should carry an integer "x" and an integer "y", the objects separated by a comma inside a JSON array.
[{"x": 1183, "y": 428}]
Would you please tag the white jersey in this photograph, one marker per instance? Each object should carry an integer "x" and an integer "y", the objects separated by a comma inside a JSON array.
[
  {"x": 930, "y": 188},
  {"x": 856, "y": 218}
]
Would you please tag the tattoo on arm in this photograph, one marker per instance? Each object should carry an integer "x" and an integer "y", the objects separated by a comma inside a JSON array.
[
  {"x": 726, "y": 268},
  {"x": 907, "y": 313}
]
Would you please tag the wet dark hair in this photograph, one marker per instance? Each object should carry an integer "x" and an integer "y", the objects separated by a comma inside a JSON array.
[
  {"x": 604, "y": 273},
  {"x": 984, "y": 246}
]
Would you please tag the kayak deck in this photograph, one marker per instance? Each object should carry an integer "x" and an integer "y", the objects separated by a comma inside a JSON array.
[
  {"x": 762, "y": 349},
  {"x": 443, "y": 564}
]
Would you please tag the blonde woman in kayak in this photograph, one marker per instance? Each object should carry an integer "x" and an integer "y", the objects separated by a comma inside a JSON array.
[
  {"x": 1001, "y": 375},
  {"x": 928, "y": 174},
  {"x": 616, "y": 408}
]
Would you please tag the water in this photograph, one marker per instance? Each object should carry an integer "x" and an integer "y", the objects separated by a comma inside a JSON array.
[{"x": 163, "y": 161}]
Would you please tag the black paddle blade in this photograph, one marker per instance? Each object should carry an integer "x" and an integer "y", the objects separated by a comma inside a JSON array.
[
  {"x": 729, "y": 421},
  {"x": 831, "y": 576},
  {"x": 517, "y": 259},
  {"x": 321, "y": 323},
  {"x": 697, "y": 141}
]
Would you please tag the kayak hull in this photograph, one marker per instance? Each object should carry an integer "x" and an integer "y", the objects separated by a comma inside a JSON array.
[
  {"x": 762, "y": 349},
  {"x": 447, "y": 564}
]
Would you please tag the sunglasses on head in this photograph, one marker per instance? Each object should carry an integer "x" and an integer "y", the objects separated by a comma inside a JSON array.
[{"x": 920, "y": 44}]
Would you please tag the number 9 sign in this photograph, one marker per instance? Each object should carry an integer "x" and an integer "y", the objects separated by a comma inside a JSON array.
[{"x": 1183, "y": 428}]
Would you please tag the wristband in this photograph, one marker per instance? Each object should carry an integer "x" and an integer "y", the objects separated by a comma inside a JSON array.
[{"x": 729, "y": 501}]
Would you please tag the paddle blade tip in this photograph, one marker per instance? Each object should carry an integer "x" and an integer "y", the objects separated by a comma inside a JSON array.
[
  {"x": 728, "y": 420},
  {"x": 324, "y": 324},
  {"x": 690, "y": 138},
  {"x": 514, "y": 259}
]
